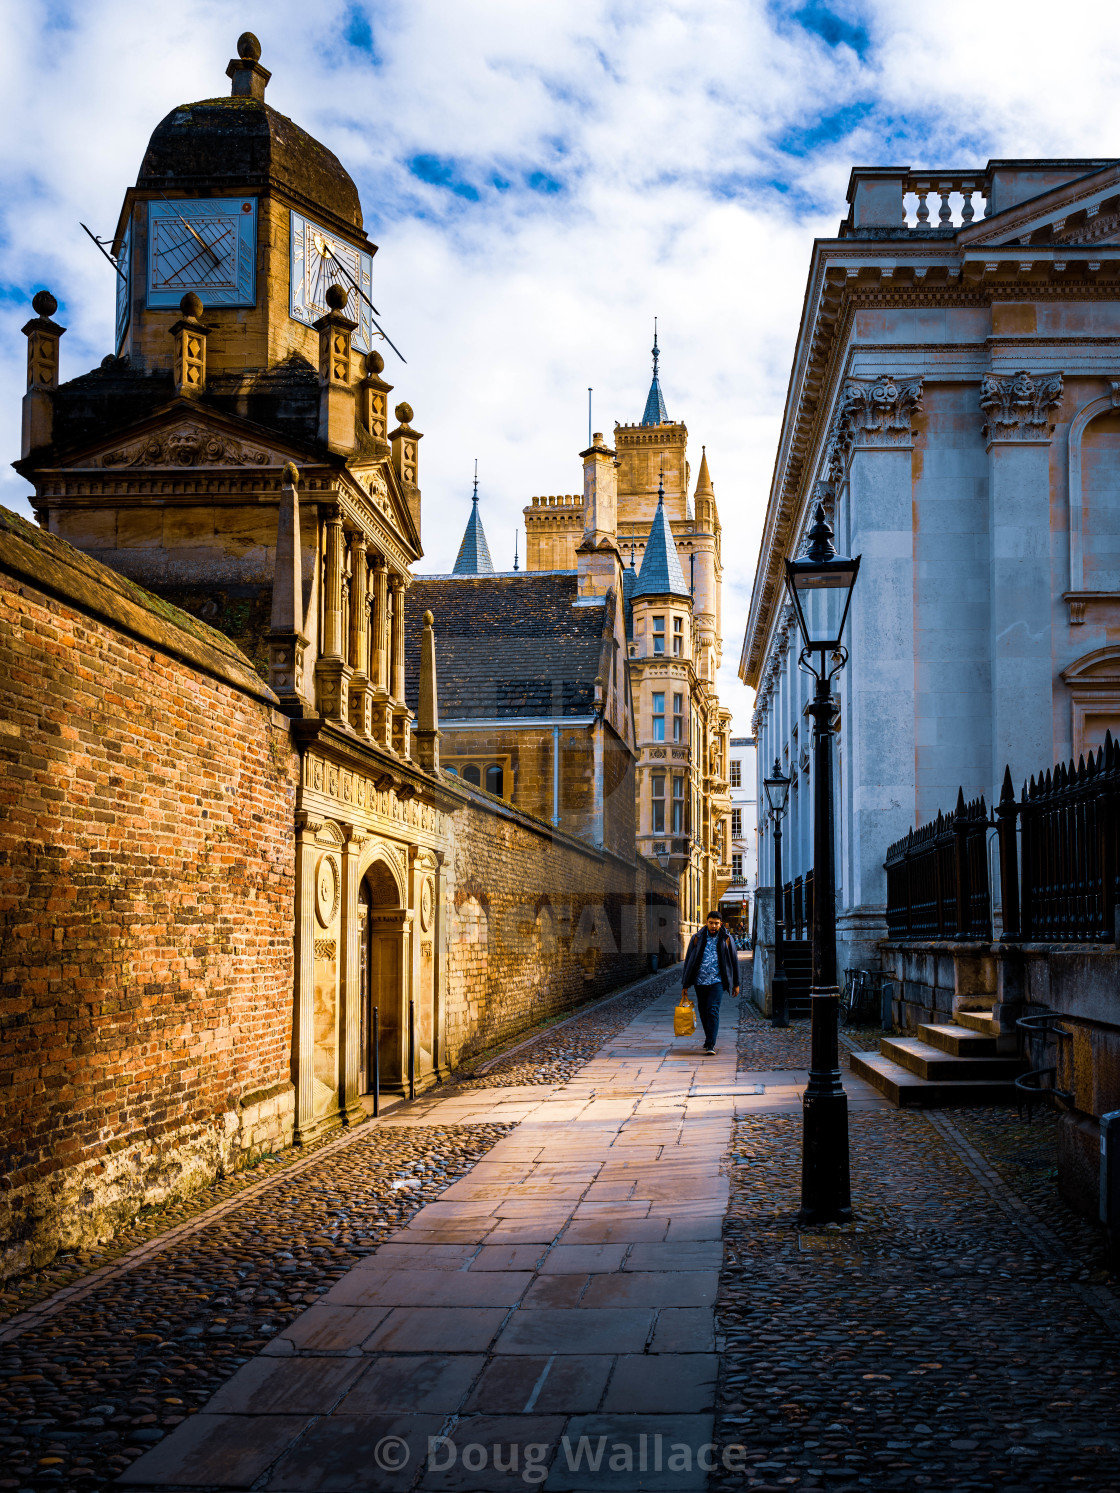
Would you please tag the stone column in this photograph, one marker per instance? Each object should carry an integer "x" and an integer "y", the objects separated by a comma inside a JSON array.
[
  {"x": 874, "y": 428},
  {"x": 382, "y": 711},
  {"x": 361, "y": 693},
  {"x": 286, "y": 641},
  {"x": 332, "y": 674},
  {"x": 427, "y": 732},
  {"x": 402, "y": 716},
  {"x": 1018, "y": 429},
  {"x": 303, "y": 1015}
]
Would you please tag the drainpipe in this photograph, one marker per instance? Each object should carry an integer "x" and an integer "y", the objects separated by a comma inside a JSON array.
[{"x": 598, "y": 812}]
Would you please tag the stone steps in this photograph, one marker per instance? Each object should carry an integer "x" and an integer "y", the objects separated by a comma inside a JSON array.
[{"x": 908, "y": 1090}]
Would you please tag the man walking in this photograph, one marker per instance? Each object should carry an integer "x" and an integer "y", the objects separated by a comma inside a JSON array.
[{"x": 711, "y": 966}]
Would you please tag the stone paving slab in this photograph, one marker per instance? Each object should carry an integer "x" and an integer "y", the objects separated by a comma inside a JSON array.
[{"x": 536, "y": 1291}]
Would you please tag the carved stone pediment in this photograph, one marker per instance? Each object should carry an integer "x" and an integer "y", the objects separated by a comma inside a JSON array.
[{"x": 186, "y": 445}]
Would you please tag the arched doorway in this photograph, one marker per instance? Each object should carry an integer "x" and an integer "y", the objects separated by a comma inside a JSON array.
[{"x": 381, "y": 924}]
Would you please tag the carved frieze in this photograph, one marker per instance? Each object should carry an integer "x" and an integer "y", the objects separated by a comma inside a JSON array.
[
  {"x": 1019, "y": 408},
  {"x": 373, "y": 794},
  {"x": 185, "y": 446}
]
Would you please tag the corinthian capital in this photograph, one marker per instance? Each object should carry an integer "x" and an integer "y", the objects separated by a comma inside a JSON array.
[
  {"x": 871, "y": 413},
  {"x": 1018, "y": 408}
]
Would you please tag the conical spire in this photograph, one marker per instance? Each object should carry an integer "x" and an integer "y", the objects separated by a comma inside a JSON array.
[
  {"x": 655, "y": 412},
  {"x": 704, "y": 487},
  {"x": 474, "y": 552},
  {"x": 661, "y": 573}
]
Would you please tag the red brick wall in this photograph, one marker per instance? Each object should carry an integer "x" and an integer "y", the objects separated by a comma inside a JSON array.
[{"x": 146, "y": 922}]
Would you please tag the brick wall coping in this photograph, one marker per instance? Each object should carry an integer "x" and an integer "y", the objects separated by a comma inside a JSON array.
[
  {"x": 51, "y": 565},
  {"x": 503, "y": 810}
]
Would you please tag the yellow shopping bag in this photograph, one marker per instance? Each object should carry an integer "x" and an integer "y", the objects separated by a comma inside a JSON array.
[{"x": 684, "y": 1017}]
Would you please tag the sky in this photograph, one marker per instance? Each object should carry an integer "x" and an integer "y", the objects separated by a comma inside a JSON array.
[{"x": 543, "y": 177}]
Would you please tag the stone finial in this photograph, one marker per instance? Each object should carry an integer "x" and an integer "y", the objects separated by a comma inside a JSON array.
[
  {"x": 190, "y": 347},
  {"x": 43, "y": 336},
  {"x": 404, "y": 413},
  {"x": 248, "y": 77},
  {"x": 337, "y": 297},
  {"x": 375, "y": 364}
]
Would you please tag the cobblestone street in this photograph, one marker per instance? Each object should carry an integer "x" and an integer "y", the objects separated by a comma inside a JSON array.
[{"x": 532, "y": 1256}]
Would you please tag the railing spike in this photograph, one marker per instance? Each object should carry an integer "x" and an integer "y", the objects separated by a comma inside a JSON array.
[
  {"x": 1007, "y": 792},
  {"x": 960, "y": 801}
]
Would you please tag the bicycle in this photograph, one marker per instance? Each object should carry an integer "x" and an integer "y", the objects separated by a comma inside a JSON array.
[{"x": 860, "y": 1000}]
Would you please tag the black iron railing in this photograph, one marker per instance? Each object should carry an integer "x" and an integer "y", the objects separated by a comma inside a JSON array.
[
  {"x": 797, "y": 907},
  {"x": 1059, "y": 861},
  {"x": 1069, "y": 837},
  {"x": 937, "y": 877}
]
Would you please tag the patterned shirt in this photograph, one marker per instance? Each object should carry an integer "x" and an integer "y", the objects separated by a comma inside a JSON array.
[{"x": 708, "y": 973}]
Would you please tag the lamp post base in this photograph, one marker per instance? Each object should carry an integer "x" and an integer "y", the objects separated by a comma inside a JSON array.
[{"x": 826, "y": 1188}]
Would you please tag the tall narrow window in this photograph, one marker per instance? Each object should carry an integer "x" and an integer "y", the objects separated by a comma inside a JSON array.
[
  {"x": 494, "y": 776},
  {"x": 659, "y": 635},
  {"x": 471, "y": 774},
  {"x": 678, "y": 806},
  {"x": 678, "y": 636},
  {"x": 678, "y": 717},
  {"x": 659, "y": 717},
  {"x": 657, "y": 794},
  {"x": 736, "y": 824},
  {"x": 737, "y": 863},
  {"x": 736, "y": 773}
]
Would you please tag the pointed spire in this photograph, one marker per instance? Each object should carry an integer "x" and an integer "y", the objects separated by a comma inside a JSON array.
[
  {"x": 474, "y": 552},
  {"x": 655, "y": 412},
  {"x": 661, "y": 573},
  {"x": 703, "y": 477}
]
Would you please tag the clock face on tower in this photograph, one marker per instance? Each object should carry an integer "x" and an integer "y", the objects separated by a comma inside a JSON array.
[
  {"x": 319, "y": 259},
  {"x": 204, "y": 244}
]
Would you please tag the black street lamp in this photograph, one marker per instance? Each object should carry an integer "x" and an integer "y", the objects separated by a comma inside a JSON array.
[
  {"x": 777, "y": 794},
  {"x": 820, "y": 583}
]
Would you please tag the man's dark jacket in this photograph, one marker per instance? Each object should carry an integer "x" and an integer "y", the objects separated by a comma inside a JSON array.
[{"x": 728, "y": 960}]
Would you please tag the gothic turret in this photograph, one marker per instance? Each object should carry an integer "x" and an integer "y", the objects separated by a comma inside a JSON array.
[
  {"x": 661, "y": 573},
  {"x": 655, "y": 412}
]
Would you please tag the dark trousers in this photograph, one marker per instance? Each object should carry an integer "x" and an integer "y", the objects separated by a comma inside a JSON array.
[{"x": 708, "y": 998}]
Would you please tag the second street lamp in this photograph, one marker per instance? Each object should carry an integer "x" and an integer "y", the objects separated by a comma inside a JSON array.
[
  {"x": 820, "y": 583},
  {"x": 777, "y": 793}
]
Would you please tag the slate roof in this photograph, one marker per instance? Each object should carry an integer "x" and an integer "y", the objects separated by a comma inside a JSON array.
[
  {"x": 507, "y": 645},
  {"x": 474, "y": 553},
  {"x": 661, "y": 573}
]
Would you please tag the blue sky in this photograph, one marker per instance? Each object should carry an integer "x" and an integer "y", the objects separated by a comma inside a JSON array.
[{"x": 543, "y": 178}]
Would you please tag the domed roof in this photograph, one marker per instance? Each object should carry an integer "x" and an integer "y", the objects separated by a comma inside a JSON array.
[{"x": 241, "y": 144}]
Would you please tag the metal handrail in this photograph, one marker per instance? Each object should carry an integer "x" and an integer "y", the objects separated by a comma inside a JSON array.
[{"x": 1033, "y": 1025}]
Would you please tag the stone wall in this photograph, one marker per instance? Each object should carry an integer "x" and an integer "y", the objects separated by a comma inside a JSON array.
[
  {"x": 146, "y": 901},
  {"x": 540, "y": 922}
]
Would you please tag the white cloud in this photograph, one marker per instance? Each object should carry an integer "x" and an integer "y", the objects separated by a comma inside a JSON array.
[{"x": 687, "y": 140}]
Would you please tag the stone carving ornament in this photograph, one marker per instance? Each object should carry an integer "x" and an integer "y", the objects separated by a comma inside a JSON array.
[
  {"x": 186, "y": 446},
  {"x": 1018, "y": 408},
  {"x": 426, "y": 904},
  {"x": 871, "y": 414},
  {"x": 327, "y": 889}
]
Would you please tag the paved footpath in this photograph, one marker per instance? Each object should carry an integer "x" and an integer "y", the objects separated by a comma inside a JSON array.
[{"x": 554, "y": 1309}]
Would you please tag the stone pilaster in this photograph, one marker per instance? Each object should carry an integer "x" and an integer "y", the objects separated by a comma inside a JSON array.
[
  {"x": 350, "y": 995},
  {"x": 303, "y": 1015},
  {"x": 873, "y": 438},
  {"x": 1018, "y": 427}
]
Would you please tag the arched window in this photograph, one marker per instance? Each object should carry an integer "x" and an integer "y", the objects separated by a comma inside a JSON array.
[
  {"x": 454, "y": 771},
  {"x": 471, "y": 774},
  {"x": 494, "y": 780}
]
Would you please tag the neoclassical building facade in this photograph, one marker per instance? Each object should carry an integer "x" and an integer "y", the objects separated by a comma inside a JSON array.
[{"x": 955, "y": 402}]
